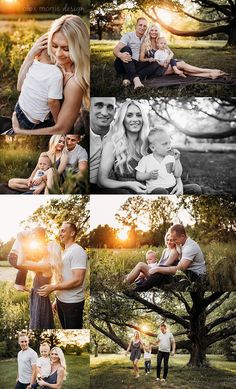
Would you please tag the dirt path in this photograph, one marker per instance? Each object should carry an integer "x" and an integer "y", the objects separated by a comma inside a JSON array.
[{"x": 7, "y": 274}]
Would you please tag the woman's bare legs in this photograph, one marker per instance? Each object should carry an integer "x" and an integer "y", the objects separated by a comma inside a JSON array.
[
  {"x": 49, "y": 185},
  {"x": 140, "y": 267},
  {"x": 18, "y": 184},
  {"x": 194, "y": 69},
  {"x": 136, "y": 369}
]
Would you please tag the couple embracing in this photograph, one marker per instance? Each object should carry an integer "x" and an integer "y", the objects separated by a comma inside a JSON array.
[{"x": 55, "y": 270}]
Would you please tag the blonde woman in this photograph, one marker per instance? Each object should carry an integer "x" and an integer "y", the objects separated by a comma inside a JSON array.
[
  {"x": 68, "y": 46},
  {"x": 58, "y": 370},
  {"x": 135, "y": 347},
  {"x": 46, "y": 266},
  {"x": 127, "y": 145}
]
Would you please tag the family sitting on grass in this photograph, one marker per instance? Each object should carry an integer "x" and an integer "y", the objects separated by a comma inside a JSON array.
[
  {"x": 181, "y": 253},
  {"x": 166, "y": 347},
  {"x": 143, "y": 54},
  {"x": 129, "y": 156},
  {"x": 63, "y": 157},
  {"x": 47, "y": 371}
]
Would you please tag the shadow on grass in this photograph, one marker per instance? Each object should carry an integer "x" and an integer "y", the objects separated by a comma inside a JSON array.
[{"x": 118, "y": 374}]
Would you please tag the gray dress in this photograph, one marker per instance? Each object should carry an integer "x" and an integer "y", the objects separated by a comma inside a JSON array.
[
  {"x": 135, "y": 351},
  {"x": 52, "y": 379},
  {"x": 41, "y": 316}
]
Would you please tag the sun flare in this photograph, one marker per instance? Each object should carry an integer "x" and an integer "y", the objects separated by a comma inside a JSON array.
[
  {"x": 10, "y": 1},
  {"x": 34, "y": 244},
  {"x": 123, "y": 234},
  {"x": 165, "y": 16}
]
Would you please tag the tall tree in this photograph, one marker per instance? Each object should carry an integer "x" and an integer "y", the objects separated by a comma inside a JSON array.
[{"x": 197, "y": 315}]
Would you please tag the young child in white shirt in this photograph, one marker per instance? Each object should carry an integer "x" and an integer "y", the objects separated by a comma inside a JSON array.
[
  {"x": 43, "y": 363},
  {"x": 41, "y": 93},
  {"x": 147, "y": 357},
  {"x": 164, "y": 56},
  {"x": 44, "y": 163},
  {"x": 162, "y": 169}
]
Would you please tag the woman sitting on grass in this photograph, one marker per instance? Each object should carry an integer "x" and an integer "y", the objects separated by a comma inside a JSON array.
[
  {"x": 135, "y": 347},
  {"x": 58, "y": 155},
  {"x": 155, "y": 49}
]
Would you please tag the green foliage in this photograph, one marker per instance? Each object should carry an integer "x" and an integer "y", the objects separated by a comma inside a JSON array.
[
  {"x": 72, "y": 208},
  {"x": 73, "y": 183},
  {"x": 18, "y": 163}
]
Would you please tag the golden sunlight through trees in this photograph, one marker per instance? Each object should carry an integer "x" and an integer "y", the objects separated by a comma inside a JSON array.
[
  {"x": 165, "y": 15},
  {"x": 123, "y": 234}
]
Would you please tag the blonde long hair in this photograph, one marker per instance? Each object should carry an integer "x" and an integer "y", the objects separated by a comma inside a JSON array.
[
  {"x": 61, "y": 357},
  {"x": 55, "y": 260},
  {"x": 77, "y": 35},
  {"x": 120, "y": 141},
  {"x": 147, "y": 41},
  {"x": 52, "y": 146}
]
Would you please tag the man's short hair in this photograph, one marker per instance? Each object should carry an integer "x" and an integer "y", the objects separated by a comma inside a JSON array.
[
  {"x": 163, "y": 324},
  {"x": 141, "y": 18},
  {"x": 178, "y": 229},
  {"x": 72, "y": 226},
  {"x": 22, "y": 335}
]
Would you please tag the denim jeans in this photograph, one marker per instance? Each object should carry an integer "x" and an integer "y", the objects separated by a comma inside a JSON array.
[
  {"x": 19, "y": 385},
  {"x": 21, "y": 274},
  {"x": 147, "y": 365},
  {"x": 70, "y": 315},
  {"x": 27, "y": 124}
]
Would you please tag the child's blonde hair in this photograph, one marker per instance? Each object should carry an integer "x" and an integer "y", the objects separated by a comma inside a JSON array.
[
  {"x": 55, "y": 260},
  {"x": 156, "y": 133},
  {"x": 150, "y": 252},
  {"x": 44, "y": 345},
  {"x": 45, "y": 155}
]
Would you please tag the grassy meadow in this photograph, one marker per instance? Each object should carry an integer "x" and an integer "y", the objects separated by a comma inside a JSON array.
[
  {"x": 17, "y": 163},
  {"x": 114, "y": 371},
  {"x": 211, "y": 54},
  {"x": 77, "y": 367},
  {"x": 112, "y": 265}
]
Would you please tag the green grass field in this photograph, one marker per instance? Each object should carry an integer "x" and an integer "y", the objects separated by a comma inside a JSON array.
[
  {"x": 114, "y": 371},
  {"x": 211, "y": 54},
  {"x": 17, "y": 163},
  {"x": 77, "y": 378}
]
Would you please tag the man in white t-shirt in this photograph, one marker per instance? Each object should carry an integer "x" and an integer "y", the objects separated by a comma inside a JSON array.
[
  {"x": 127, "y": 53},
  {"x": 192, "y": 260},
  {"x": 27, "y": 360},
  {"x": 166, "y": 347},
  {"x": 70, "y": 292},
  {"x": 77, "y": 155},
  {"x": 102, "y": 114}
]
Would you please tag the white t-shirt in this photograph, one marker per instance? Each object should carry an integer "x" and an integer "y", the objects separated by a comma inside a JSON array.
[
  {"x": 164, "y": 179},
  {"x": 74, "y": 257},
  {"x": 153, "y": 265},
  {"x": 42, "y": 82},
  {"x": 192, "y": 252},
  {"x": 147, "y": 355},
  {"x": 78, "y": 154},
  {"x": 25, "y": 360},
  {"x": 134, "y": 42},
  {"x": 165, "y": 341},
  {"x": 39, "y": 173},
  {"x": 96, "y": 146},
  {"x": 161, "y": 55},
  {"x": 45, "y": 366}
]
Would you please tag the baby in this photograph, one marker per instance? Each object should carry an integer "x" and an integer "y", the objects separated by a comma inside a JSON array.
[
  {"x": 141, "y": 270},
  {"x": 41, "y": 93},
  {"x": 147, "y": 348},
  {"x": 164, "y": 56},
  {"x": 44, "y": 163},
  {"x": 162, "y": 169},
  {"x": 43, "y": 363}
]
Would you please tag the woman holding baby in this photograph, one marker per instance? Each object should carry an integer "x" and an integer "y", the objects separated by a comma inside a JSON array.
[{"x": 67, "y": 44}]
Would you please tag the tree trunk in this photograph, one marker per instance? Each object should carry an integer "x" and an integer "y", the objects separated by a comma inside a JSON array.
[
  {"x": 197, "y": 334},
  {"x": 232, "y": 34}
]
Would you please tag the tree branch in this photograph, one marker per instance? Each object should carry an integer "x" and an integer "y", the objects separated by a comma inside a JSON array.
[
  {"x": 220, "y": 320},
  {"x": 212, "y": 4},
  {"x": 205, "y": 20},
  {"x": 209, "y": 135},
  {"x": 110, "y": 335},
  {"x": 221, "y": 334},
  {"x": 212, "y": 30},
  {"x": 210, "y": 299},
  {"x": 218, "y": 303},
  {"x": 159, "y": 310}
]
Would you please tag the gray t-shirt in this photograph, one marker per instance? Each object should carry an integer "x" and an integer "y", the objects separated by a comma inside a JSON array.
[
  {"x": 78, "y": 154},
  {"x": 191, "y": 251},
  {"x": 134, "y": 42},
  {"x": 165, "y": 341},
  {"x": 26, "y": 359},
  {"x": 74, "y": 257}
]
